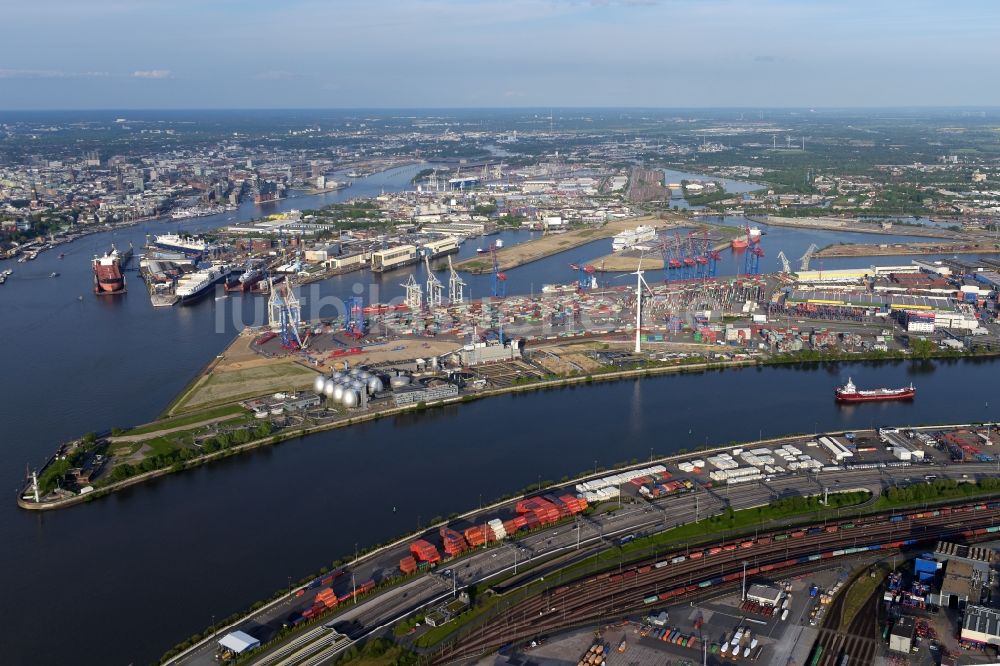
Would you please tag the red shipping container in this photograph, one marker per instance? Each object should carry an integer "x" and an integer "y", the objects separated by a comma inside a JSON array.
[
  {"x": 408, "y": 565},
  {"x": 474, "y": 535}
]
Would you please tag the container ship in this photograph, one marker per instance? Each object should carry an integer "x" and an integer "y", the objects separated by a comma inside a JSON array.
[
  {"x": 248, "y": 280},
  {"x": 194, "y": 285},
  {"x": 109, "y": 275},
  {"x": 850, "y": 393}
]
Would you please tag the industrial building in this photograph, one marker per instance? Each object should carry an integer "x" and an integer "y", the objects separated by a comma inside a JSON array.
[
  {"x": 238, "y": 642},
  {"x": 960, "y": 586},
  {"x": 901, "y": 636},
  {"x": 393, "y": 257},
  {"x": 764, "y": 594},
  {"x": 411, "y": 395},
  {"x": 838, "y": 451},
  {"x": 901, "y": 447},
  {"x": 981, "y": 626},
  {"x": 485, "y": 352}
]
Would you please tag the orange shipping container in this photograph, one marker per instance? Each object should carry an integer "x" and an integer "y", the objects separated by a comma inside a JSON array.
[{"x": 408, "y": 565}]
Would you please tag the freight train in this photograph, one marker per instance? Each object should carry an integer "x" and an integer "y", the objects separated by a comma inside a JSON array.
[{"x": 622, "y": 591}]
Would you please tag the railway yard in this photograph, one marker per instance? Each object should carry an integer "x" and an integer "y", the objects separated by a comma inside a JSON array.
[{"x": 615, "y": 562}]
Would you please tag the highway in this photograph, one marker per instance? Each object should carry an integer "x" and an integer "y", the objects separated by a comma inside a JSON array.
[{"x": 588, "y": 534}]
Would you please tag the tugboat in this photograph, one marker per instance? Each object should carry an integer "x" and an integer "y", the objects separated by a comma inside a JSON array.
[{"x": 850, "y": 393}]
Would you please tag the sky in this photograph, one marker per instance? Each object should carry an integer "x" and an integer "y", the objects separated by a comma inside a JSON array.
[{"x": 133, "y": 54}]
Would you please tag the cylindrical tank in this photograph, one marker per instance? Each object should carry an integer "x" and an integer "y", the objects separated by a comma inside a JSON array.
[
  {"x": 363, "y": 375},
  {"x": 337, "y": 375},
  {"x": 375, "y": 384},
  {"x": 338, "y": 393},
  {"x": 357, "y": 385},
  {"x": 351, "y": 398},
  {"x": 399, "y": 381},
  {"x": 353, "y": 372},
  {"x": 319, "y": 383},
  {"x": 328, "y": 387}
]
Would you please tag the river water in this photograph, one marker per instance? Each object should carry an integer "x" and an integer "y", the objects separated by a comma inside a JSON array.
[{"x": 154, "y": 564}]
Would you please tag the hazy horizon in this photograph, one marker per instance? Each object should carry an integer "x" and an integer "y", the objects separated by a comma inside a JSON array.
[{"x": 408, "y": 54}]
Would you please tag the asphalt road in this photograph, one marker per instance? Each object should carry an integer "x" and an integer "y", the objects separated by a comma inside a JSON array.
[{"x": 590, "y": 533}]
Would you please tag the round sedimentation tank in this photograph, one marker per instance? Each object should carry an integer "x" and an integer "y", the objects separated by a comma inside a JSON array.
[
  {"x": 351, "y": 398},
  {"x": 399, "y": 381},
  {"x": 357, "y": 385},
  {"x": 319, "y": 383}
]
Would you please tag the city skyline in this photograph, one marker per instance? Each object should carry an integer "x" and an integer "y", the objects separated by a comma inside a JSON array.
[{"x": 453, "y": 54}]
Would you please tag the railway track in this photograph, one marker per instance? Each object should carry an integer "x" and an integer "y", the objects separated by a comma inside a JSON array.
[
  {"x": 647, "y": 583},
  {"x": 834, "y": 646}
]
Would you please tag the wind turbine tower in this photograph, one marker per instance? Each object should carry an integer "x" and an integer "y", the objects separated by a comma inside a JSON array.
[{"x": 639, "y": 283}]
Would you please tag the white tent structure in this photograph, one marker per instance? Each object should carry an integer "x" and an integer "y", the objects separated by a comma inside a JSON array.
[{"x": 239, "y": 642}]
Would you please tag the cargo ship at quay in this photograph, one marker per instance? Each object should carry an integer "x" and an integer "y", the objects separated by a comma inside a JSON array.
[
  {"x": 109, "y": 271},
  {"x": 193, "y": 286},
  {"x": 849, "y": 393}
]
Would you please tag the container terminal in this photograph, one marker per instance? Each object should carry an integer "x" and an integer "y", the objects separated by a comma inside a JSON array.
[
  {"x": 526, "y": 542},
  {"x": 437, "y": 347}
]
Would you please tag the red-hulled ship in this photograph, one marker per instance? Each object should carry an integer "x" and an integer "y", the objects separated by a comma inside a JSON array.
[
  {"x": 109, "y": 276},
  {"x": 249, "y": 280},
  {"x": 850, "y": 393}
]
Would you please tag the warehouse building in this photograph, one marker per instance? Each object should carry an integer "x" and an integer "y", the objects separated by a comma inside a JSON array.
[
  {"x": 764, "y": 594},
  {"x": 960, "y": 587},
  {"x": 411, "y": 395},
  {"x": 981, "y": 626},
  {"x": 901, "y": 636},
  {"x": 238, "y": 642}
]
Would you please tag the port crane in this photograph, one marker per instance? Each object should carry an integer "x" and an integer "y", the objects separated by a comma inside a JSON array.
[
  {"x": 807, "y": 257},
  {"x": 354, "y": 318},
  {"x": 285, "y": 314},
  {"x": 586, "y": 279},
  {"x": 414, "y": 298},
  {"x": 435, "y": 290},
  {"x": 456, "y": 286},
  {"x": 499, "y": 277},
  {"x": 785, "y": 266}
]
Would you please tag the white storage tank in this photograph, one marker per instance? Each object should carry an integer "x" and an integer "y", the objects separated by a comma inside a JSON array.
[{"x": 351, "y": 398}]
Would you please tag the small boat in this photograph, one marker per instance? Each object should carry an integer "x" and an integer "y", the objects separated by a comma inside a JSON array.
[
  {"x": 54, "y": 274},
  {"x": 62, "y": 255}
]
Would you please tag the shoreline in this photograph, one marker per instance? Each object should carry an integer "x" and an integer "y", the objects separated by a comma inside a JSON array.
[
  {"x": 537, "y": 249},
  {"x": 853, "y": 250},
  {"x": 850, "y": 225},
  {"x": 562, "y": 382}
]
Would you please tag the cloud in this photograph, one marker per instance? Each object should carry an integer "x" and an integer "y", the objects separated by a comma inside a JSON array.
[
  {"x": 47, "y": 74},
  {"x": 151, "y": 74},
  {"x": 276, "y": 75}
]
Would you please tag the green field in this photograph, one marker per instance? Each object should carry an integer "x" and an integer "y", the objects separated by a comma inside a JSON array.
[
  {"x": 218, "y": 388},
  {"x": 195, "y": 417}
]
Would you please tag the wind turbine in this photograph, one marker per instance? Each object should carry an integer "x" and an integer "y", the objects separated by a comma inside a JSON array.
[{"x": 639, "y": 282}]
